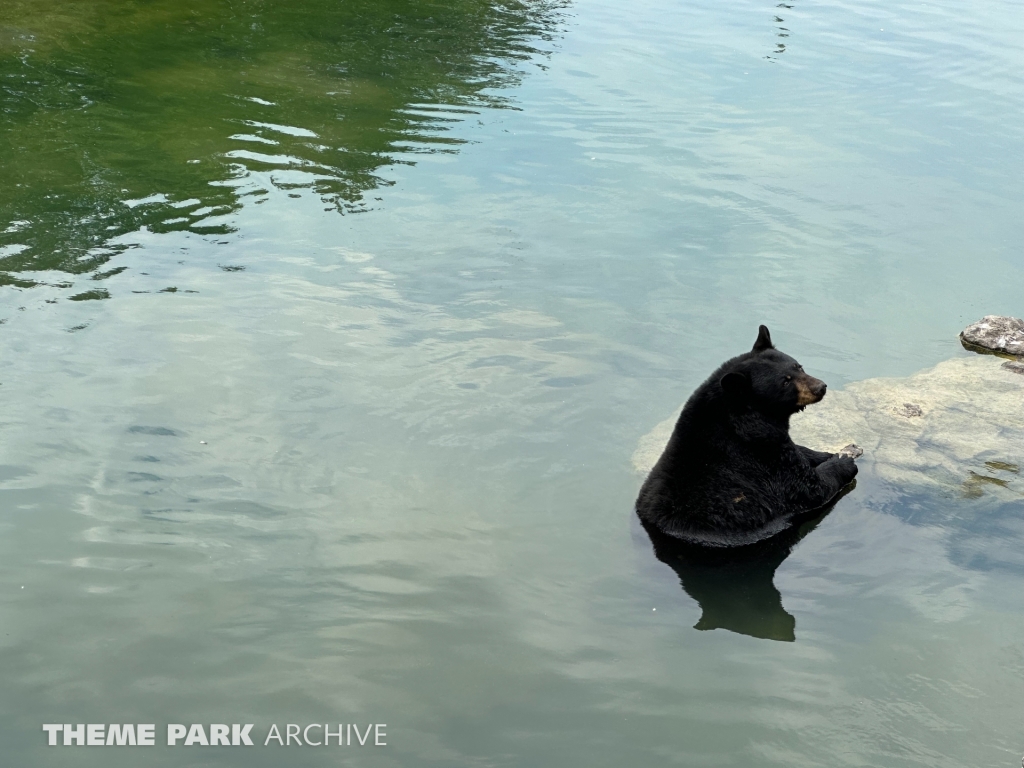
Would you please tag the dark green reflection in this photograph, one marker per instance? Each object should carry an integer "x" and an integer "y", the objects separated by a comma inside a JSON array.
[{"x": 106, "y": 103}]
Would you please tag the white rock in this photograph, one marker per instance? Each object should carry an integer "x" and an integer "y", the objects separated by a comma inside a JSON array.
[{"x": 1003, "y": 335}]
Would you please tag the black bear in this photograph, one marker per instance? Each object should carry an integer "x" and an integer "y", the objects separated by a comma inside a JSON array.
[{"x": 730, "y": 475}]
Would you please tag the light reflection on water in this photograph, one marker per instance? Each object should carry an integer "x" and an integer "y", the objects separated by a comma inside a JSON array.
[{"x": 376, "y": 467}]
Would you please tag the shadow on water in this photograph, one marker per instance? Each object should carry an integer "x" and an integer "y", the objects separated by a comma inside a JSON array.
[
  {"x": 984, "y": 520},
  {"x": 735, "y": 587},
  {"x": 118, "y": 115}
]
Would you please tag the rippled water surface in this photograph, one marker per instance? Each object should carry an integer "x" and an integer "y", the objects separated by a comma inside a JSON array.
[{"x": 328, "y": 329}]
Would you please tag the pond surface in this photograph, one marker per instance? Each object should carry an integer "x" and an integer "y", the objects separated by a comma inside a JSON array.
[{"x": 329, "y": 330}]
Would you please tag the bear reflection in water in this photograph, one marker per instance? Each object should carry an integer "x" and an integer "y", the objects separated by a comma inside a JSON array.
[
  {"x": 735, "y": 586},
  {"x": 732, "y": 493}
]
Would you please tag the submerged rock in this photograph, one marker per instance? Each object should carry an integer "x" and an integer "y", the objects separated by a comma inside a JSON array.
[
  {"x": 909, "y": 410},
  {"x": 957, "y": 427},
  {"x": 995, "y": 334},
  {"x": 1014, "y": 366}
]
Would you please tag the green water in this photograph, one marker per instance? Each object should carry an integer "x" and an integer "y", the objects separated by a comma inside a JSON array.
[{"x": 329, "y": 329}]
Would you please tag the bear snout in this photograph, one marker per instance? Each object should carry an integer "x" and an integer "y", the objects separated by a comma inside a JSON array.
[{"x": 809, "y": 390}]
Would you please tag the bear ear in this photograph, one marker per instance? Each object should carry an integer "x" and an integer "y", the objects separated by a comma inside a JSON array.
[
  {"x": 736, "y": 383},
  {"x": 764, "y": 340}
]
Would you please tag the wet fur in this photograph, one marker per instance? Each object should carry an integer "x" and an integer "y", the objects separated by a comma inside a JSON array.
[{"x": 730, "y": 475}]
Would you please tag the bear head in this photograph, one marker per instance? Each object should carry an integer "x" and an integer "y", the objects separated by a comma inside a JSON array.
[{"x": 770, "y": 381}]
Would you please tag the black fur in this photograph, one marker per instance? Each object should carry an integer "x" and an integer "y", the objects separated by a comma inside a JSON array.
[{"x": 730, "y": 474}]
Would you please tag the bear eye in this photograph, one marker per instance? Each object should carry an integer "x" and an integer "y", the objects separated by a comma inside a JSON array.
[{"x": 789, "y": 378}]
